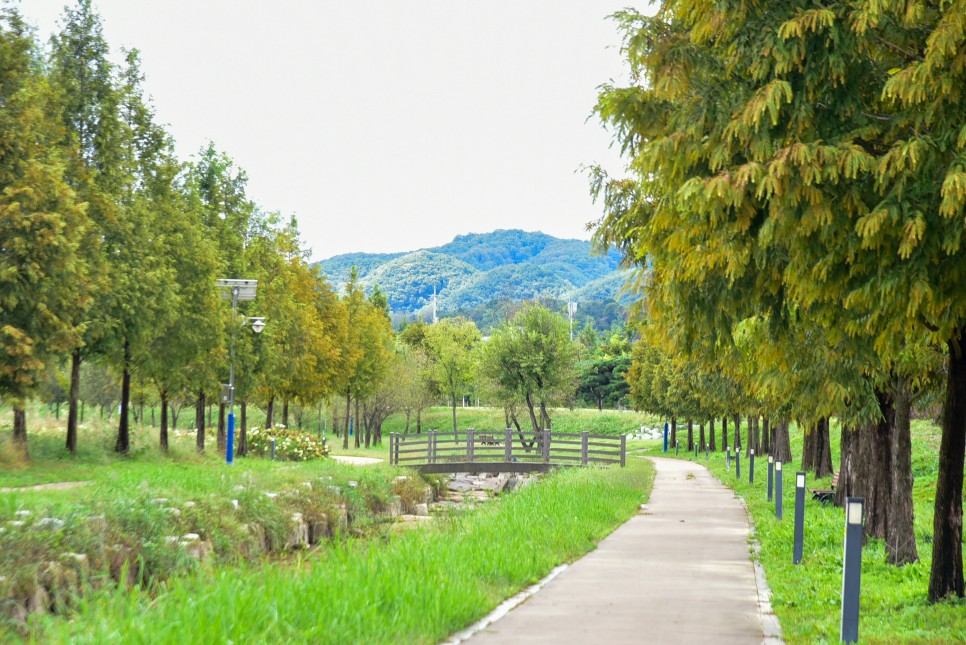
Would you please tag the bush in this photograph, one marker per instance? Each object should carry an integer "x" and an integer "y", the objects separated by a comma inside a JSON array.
[{"x": 290, "y": 445}]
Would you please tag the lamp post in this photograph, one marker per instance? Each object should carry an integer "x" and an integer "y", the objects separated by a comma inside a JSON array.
[{"x": 236, "y": 290}]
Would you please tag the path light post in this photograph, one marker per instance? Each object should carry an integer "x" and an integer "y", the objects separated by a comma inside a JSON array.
[
  {"x": 751, "y": 467},
  {"x": 778, "y": 489},
  {"x": 665, "y": 437},
  {"x": 799, "y": 517},
  {"x": 236, "y": 290},
  {"x": 727, "y": 459},
  {"x": 852, "y": 569},
  {"x": 737, "y": 464}
]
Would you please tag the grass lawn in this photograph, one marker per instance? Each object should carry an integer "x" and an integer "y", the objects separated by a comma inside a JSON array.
[{"x": 806, "y": 597}]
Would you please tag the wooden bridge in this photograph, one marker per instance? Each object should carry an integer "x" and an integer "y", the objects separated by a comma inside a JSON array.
[{"x": 505, "y": 451}]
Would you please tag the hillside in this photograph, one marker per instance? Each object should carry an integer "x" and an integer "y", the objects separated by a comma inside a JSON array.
[{"x": 477, "y": 269}]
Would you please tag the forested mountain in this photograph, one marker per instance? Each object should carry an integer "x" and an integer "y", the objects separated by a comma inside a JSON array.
[{"x": 480, "y": 268}]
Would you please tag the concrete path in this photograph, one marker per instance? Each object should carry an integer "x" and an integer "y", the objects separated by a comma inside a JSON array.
[
  {"x": 679, "y": 572},
  {"x": 358, "y": 461}
]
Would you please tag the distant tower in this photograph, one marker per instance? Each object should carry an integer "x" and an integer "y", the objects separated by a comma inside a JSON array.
[
  {"x": 572, "y": 308},
  {"x": 435, "y": 317}
]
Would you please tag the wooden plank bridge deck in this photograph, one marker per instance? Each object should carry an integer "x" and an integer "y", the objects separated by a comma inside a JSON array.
[{"x": 505, "y": 451}]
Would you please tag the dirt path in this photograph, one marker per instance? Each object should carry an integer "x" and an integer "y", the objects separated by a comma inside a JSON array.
[
  {"x": 358, "y": 461},
  {"x": 54, "y": 486}
]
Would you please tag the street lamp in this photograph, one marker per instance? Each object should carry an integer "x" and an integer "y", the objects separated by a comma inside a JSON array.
[{"x": 236, "y": 290}]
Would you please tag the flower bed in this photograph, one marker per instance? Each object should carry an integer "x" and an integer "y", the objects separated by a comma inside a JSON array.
[{"x": 290, "y": 445}]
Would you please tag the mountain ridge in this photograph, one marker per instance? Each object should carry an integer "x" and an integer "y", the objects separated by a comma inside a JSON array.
[{"x": 477, "y": 268}]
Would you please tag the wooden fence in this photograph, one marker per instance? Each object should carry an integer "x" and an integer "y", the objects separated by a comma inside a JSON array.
[{"x": 503, "y": 451}]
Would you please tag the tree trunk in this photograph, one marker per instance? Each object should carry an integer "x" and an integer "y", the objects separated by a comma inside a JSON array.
[
  {"x": 901, "y": 535},
  {"x": 724, "y": 433},
  {"x": 808, "y": 447},
  {"x": 270, "y": 413},
  {"x": 737, "y": 442},
  {"x": 690, "y": 436},
  {"x": 222, "y": 431},
  {"x": 674, "y": 432},
  {"x": 123, "y": 444},
  {"x": 877, "y": 453},
  {"x": 701, "y": 438},
  {"x": 200, "y": 422},
  {"x": 946, "y": 577},
  {"x": 823, "y": 450},
  {"x": 163, "y": 433},
  {"x": 713, "y": 447},
  {"x": 750, "y": 445},
  {"x": 419, "y": 421},
  {"x": 348, "y": 411},
  {"x": 75, "y": 363},
  {"x": 456, "y": 433},
  {"x": 848, "y": 465},
  {"x": 285, "y": 412},
  {"x": 782, "y": 446},
  {"x": 368, "y": 424},
  {"x": 20, "y": 430},
  {"x": 356, "y": 418},
  {"x": 765, "y": 437},
  {"x": 243, "y": 430},
  {"x": 533, "y": 415}
]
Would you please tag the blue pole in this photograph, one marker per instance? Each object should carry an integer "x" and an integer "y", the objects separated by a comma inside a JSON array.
[
  {"x": 665, "y": 437},
  {"x": 230, "y": 448},
  {"x": 350, "y": 427}
]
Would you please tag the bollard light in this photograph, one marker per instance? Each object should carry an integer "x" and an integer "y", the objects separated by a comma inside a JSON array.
[
  {"x": 751, "y": 466},
  {"x": 665, "y": 437},
  {"x": 778, "y": 489},
  {"x": 851, "y": 569},
  {"x": 737, "y": 464},
  {"x": 727, "y": 458},
  {"x": 799, "y": 518}
]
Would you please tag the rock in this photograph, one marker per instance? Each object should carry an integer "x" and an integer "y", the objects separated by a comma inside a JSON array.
[
  {"x": 97, "y": 523},
  {"x": 421, "y": 510},
  {"x": 176, "y": 512},
  {"x": 160, "y": 501},
  {"x": 402, "y": 478},
  {"x": 394, "y": 508},
  {"x": 353, "y": 484},
  {"x": 234, "y": 504},
  {"x": 239, "y": 487},
  {"x": 197, "y": 549},
  {"x": 190, "y": 537},
  {"x": 23, "y": 513},
  {"x": 15, "y": 524},
  {"x": 257, "y": 532},
  {"x": 79, "y": 562},
  {"x": 38, "y": 601},
  {"x": 122, "y": 565},
  {"x": 189, "y": 504},
  {"x": 271, "y": 495},
  {"x": 460, "y": 484},
  {"x": 318, "y": 530},
  {"x": 298, "y": 536},
  {"x": 341, "y": 518}
]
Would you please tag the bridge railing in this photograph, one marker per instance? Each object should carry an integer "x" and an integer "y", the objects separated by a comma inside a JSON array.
[{"x": 472, "y": 449}]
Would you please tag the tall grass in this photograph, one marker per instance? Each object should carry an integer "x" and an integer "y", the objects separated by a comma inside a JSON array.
[
  {"x": 416, "y": 587},
  {"x": 806, "y": 597}
]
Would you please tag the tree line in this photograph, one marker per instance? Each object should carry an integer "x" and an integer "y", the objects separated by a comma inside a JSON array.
[{"x": 793, "y": 205}]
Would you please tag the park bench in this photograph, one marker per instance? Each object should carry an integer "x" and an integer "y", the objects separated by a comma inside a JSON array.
[{"x": 826, "y": 495}]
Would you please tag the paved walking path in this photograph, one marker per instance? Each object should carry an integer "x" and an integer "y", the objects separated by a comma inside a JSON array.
[{"x": 679, "y": 572}]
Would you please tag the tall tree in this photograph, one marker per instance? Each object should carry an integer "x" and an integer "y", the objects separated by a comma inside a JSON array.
[{"x": 450, "y": 344}]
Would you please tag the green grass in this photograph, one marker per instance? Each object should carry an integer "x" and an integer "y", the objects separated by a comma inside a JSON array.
[
  {"x": 417, "y": 587},
  {"x": 806, "y": 598}
]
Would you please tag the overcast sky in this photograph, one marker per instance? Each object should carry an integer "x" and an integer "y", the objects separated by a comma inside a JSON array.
[{"x": 384, "y": 125}]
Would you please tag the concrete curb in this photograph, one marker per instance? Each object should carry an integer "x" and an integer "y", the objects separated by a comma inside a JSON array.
[{"x": 770, "y": 625}]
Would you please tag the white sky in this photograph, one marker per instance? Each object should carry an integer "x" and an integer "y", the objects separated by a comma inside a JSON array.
[{"x": 384, "y": 125}]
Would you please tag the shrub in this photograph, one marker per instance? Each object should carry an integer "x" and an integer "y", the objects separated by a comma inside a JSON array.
[{"x": 290, "y": 445}]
